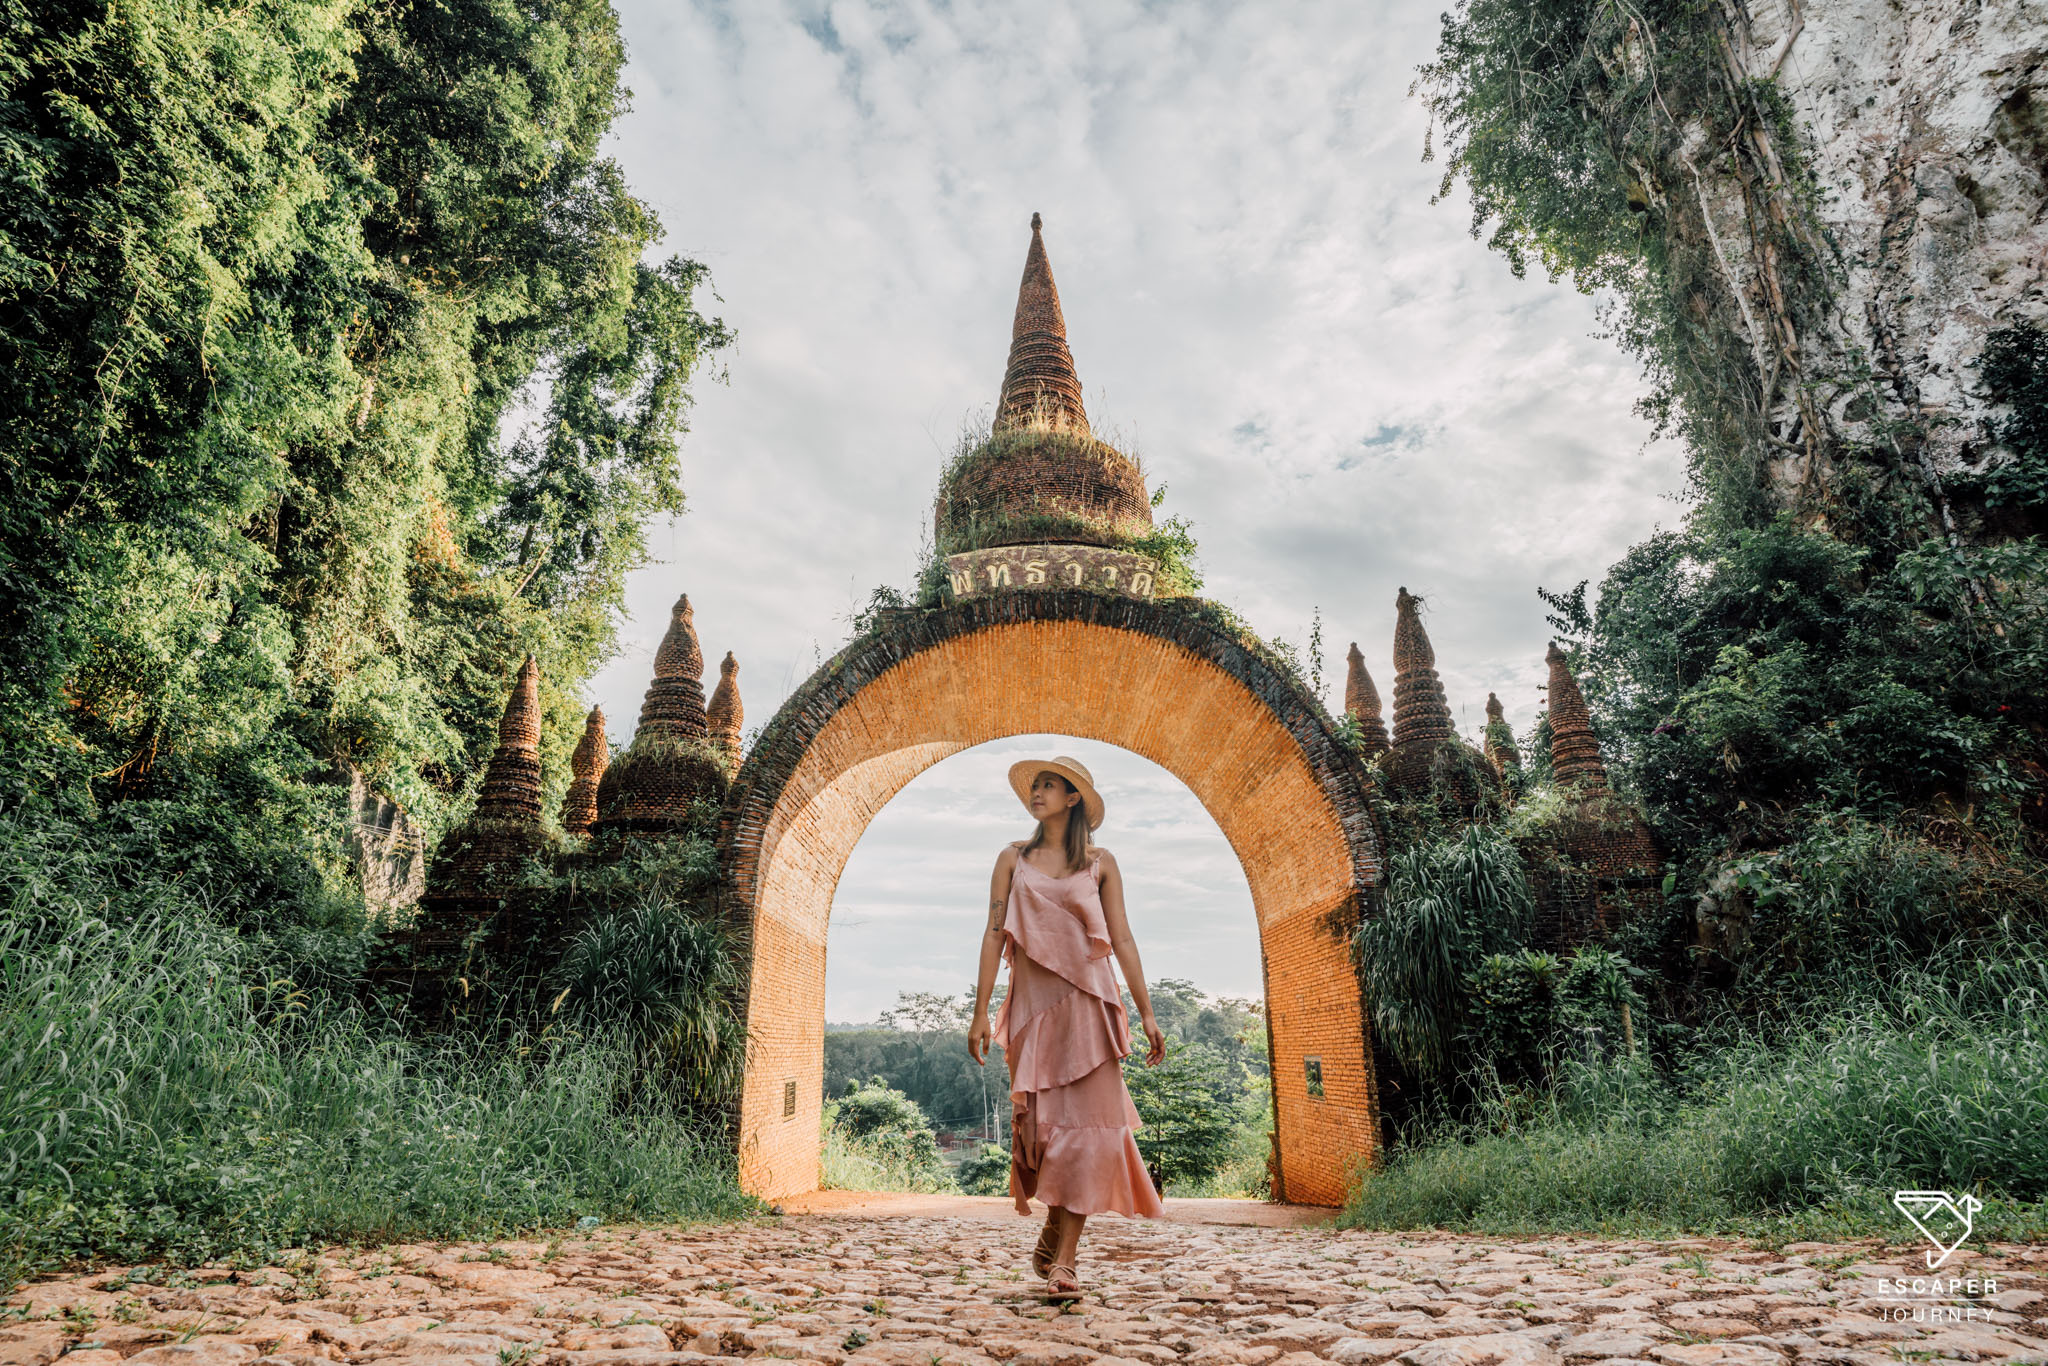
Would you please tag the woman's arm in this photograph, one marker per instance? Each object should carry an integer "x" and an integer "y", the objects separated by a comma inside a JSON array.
[
  {"x": 1127, "y": 955},
  {"x": 991, "y": 953}
]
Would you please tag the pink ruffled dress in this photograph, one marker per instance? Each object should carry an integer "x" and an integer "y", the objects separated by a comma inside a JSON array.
[{"x": 1063, "y": 1032}]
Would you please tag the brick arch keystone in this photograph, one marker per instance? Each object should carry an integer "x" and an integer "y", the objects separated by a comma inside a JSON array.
[{"x": 1154, "y": 678}]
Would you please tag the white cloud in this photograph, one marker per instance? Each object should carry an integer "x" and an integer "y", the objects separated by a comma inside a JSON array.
[{"x": 1345, "y": 392}]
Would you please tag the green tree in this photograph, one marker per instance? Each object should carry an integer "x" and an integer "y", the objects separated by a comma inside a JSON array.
[
  {"x": 270, "y": 281},
  {"x": 1187, "y": 1104}
]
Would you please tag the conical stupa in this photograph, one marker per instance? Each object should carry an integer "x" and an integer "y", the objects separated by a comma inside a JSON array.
[
  {"x": 1500, "y": 739},
  {"x": 1042, "y": 476},
  {"x": 586, "y": 771},
  {"x": 1362, "y": 701},
  {"x": 1040, "y": 388},
  {"x": 1422, "y": 714},
  {"x": 724, "y": 714},
  {"x": 480, "y": 859},
  {"x": 671, "y": 762},
  {"x": 1574, "y": 752}
]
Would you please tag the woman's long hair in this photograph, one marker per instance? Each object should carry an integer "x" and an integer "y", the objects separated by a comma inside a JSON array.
[{"x": 1077, "y": 832}]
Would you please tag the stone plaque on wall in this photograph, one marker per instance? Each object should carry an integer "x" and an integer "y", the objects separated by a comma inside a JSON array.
[{"x": 1053, "y": 566}]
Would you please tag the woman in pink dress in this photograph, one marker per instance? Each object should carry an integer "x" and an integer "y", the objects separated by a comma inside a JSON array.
[{"x": 1056, "y": 914}]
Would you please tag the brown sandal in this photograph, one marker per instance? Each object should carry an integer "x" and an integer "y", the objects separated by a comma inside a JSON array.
[
  {"x": 1048, "y": 1247},
  {"x": 1054, "y": 1293}
]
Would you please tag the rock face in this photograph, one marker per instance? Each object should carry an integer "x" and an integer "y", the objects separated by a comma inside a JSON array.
[
  {"x": 1362, "y": 702},
  {"x": 1042, "y": 476},
  {"x": 389, "y": 851},
  {"x": 482, "y": 860},
  {"x": 724, "y": 715},
  {"x": 1924, "y": 127},
  {"x": 586, "y": 771},
  {"x": 671, "y": 763}
]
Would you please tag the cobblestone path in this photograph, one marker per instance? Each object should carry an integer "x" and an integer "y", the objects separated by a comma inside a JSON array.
[{"x": 845, "y": 1290}]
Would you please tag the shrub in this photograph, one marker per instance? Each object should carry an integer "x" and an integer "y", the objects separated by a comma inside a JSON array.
[
  {"x": 1448, "y": 906},
  {"x": 1943, "y": 1082},
  {"x": 986, "y": 1171},
  {"x": 877, "y": 1138},
  {"x": 161, "y": 1095}
]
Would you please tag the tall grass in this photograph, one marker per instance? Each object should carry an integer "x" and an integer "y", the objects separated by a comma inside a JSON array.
[
  {"x": 160, "y": 1096},
  {"x": 1938, "y": 1081}
]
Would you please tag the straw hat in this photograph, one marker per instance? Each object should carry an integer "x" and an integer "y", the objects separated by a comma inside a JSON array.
[{"x": 1025, "y": 772}]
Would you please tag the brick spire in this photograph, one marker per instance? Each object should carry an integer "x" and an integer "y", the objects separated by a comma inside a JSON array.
[
  {"x": 1362, "y": 700},
  {"x": 725, "y": 715},
  {"x": 670, "y": 764},
  {"x": 586, "y": 771},
  {"x": 511, "y": 790},
  {"x": 1041, "y": 374},
  {"x": 479, "y": 862},
  {"x": 1500, "y": 740},
  {"x": 674, "y": 706},
  {"x": 1422, "y": 714},
  {"x": 1574, "y": 752}
]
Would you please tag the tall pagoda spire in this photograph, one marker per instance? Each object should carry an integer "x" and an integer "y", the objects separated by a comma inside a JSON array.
[
  {"x": 511, "y": 789},
  {"x": 724, "y": 714},
  {"x": 586, "y": 771},
  {"x": 1422, "y": 714},
  {"x": 479, "y": 862},
  {"x": 1574, "y": 752},
  {"x": 670, "y": 765},
  {"x": 1362, "y": 700},
  {"x": 1500, "y": 739},
  {"x": 1040, "y": 383},
  {"x": 673, "y": 708}
]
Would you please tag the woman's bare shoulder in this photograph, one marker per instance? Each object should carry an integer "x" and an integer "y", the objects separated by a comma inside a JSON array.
[
  {"x": 1097, "y": 851},
  {"x": 1010, "y": 854}
]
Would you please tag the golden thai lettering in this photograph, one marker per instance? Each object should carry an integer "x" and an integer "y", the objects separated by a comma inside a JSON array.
[
  {"x": 1034, "y": 571},
  {"x": 1141, "y": 584},
  {"x": 998, "y": 574},
  {"x": 963, "y": 581},
  {"x": 1074, "y": 571}
]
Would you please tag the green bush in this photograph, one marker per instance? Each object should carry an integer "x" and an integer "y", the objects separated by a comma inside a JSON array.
[
  {"x": 673, "y": 981},
  {"x": 877, "y": 1138},
  {"x": 1448, "y": 906},
  {"x": 986, "y": 1171},
  {"x": 161, "y": 1094},
  {"x": 1942, "y": 1083}
]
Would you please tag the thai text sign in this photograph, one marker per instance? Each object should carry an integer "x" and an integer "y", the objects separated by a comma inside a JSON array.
[{"x": 1053, "y": 566}]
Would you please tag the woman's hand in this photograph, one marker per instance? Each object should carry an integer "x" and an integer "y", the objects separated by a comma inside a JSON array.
[
  {"x": 977, "y": 1039},
  {"x": 1157, "y": 1053}
]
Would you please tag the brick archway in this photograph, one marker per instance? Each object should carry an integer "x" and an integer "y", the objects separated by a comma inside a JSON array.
[{"x": 1154, "y": 678}]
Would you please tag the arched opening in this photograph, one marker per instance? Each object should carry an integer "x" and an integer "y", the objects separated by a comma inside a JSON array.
[
  {"x": 906, "y": 933},
  {"x": 1157, "y": 679}
]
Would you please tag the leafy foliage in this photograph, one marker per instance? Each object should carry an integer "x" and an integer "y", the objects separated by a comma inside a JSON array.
[
  {"x": 886, "y": 1133},
  {"x": 1448, "y": 906},
  {"x": 272, "y": 278},
  {"x": 164, "y": 1093},
  {"x": 2014, "y": 370},
  {"x": 1189, "y": 1119},
  {"x": 1933, "y": 1080}
]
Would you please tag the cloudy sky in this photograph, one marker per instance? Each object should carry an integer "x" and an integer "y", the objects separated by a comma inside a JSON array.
[{"x": 1343, "y": 391}]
